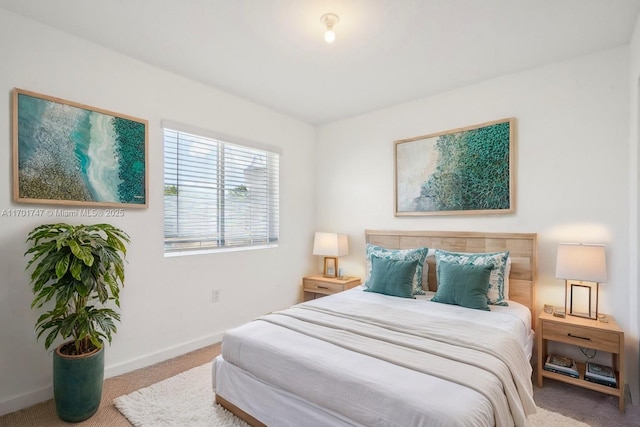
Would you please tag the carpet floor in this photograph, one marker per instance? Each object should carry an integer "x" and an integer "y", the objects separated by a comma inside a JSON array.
[
  {"x": 588, "y": 406},
  {"x": 592, "y": 408}
]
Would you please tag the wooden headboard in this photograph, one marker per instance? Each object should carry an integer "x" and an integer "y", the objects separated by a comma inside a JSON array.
[{"x": 522, "y": 249}]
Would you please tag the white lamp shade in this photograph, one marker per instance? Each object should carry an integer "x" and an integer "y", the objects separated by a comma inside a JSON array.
[
  {"x": 581, "y": 262},
  {"x": 330, "y": 244}
]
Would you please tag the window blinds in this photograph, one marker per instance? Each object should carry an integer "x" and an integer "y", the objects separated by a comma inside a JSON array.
[{"x": 218, "y": 194}]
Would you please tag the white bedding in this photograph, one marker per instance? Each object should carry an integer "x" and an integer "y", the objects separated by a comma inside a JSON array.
[{"x": 269, "y": 371}]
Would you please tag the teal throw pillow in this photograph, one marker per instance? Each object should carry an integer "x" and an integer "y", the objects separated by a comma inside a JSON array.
[
  {"x": 392, "y": 277},
  {"x": 419, "y": 254},
  {"x": 496, "y": 260},
  {"x": 463, "y": 284}
]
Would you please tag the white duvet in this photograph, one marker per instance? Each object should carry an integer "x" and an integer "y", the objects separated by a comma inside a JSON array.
[{"x": 378, "y": 360}]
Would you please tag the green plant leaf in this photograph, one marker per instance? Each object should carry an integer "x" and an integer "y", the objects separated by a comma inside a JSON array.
[
  {"x": 43, "y": 296},
  {"x": 76, "y": 268},
  {"x": 82, "y": 252},
  {"x": 62, "y": 265}
]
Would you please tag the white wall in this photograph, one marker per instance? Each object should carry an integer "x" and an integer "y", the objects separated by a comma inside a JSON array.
[
  {"x": 572, "y": 168},
  {"x": 634, "y": 218},
  {"x": 166, "y": 303}
]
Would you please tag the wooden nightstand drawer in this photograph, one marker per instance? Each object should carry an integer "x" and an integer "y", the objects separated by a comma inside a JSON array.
[
  {"x": 322, "y": 287},
  {"x": 319, "y": 286},
  {"x": 582, "y": 336}
]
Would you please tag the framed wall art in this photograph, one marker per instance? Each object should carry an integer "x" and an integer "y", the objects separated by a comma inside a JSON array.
[
  {"x": 462, "y": 171},
  {"x": 73, "y": 154}
]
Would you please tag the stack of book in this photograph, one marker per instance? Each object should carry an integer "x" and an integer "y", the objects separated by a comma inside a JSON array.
[
  {"x": 600, "y": 374},
  {"x": 561, "y": 365}
]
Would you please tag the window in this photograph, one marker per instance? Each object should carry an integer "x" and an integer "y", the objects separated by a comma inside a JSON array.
[{"x": 218, "y": 194}]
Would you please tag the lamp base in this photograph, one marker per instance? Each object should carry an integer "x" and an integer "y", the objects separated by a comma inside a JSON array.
[
  {"x": 330, "y": 267},
  {"x": 581, "y": 299}
]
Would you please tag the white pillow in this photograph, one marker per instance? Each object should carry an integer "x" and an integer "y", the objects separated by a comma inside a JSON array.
[{"x": 507, "y": 272}]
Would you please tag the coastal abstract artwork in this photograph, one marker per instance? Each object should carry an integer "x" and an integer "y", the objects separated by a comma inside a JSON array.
[
  {"x": 462, "y": 171},
  {"x": 69, "y": 153}
]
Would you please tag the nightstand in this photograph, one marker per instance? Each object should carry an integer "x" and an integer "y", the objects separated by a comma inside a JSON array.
[
  {"x": 319, "y": 286},
  {"x": 586, "y": 333}
]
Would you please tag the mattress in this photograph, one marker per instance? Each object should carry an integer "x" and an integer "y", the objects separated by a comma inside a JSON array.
[{"x": 284, "y": 376}]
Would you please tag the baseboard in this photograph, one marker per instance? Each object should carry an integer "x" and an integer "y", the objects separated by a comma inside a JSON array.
[
  {"x": 25, "y": 400},
  {"x": 161, "y": 356},
  {"x": 31, "y": 398}
]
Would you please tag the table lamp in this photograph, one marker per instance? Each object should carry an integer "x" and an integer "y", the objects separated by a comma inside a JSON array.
[
  {"x": 583, "y": 267},
  {"x": 331, "y": 246}
]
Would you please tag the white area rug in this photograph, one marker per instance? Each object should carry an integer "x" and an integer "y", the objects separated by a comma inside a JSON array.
[{"x": 187, "y": 399}]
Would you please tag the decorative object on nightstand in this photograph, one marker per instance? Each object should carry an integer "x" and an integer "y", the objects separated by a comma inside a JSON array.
[
  {"x": 587, "y": 334},
  {"x": 331, "y": 246},
  {"x": 583, "y": 267},
  {"x": 319, "y": 286}
]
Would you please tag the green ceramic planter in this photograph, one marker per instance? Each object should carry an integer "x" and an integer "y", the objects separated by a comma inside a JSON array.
[{"x": 77, "y": 384}]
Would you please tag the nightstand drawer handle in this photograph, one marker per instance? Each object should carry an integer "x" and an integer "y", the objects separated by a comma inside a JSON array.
[
  {"x": 579, "y": 337},
  {"x": 323, "y": 287}
]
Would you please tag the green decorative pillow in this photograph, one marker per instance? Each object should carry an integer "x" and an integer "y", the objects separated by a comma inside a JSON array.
[
  {"x": 463, "y": 284},
  {"x": 392, "y": 277},
  {"x": 419, "y": 254},
  {"x": 496, "y": 260}
]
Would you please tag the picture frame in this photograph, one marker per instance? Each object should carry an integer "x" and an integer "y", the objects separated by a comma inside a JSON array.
[
  {"x": 68, "y": 153},
  {"x": 467, "y": 170}
]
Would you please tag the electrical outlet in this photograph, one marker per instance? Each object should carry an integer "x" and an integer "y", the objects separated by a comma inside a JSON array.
[{"x": 215, "y": 295}]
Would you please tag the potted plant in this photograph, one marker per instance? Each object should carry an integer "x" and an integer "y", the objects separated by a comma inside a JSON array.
[{"x": 79, "y": 269}]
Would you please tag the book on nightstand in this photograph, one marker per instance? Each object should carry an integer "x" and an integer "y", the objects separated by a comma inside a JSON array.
[
  {"x": 600, "y": 374},
  {"x": 561, "y": 365}
]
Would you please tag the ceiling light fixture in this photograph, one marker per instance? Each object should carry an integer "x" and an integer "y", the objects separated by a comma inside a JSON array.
[{"x": 329, "y": 20}]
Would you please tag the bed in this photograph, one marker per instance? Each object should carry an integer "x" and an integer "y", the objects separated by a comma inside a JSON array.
[{"x": 366, "y": 358}]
